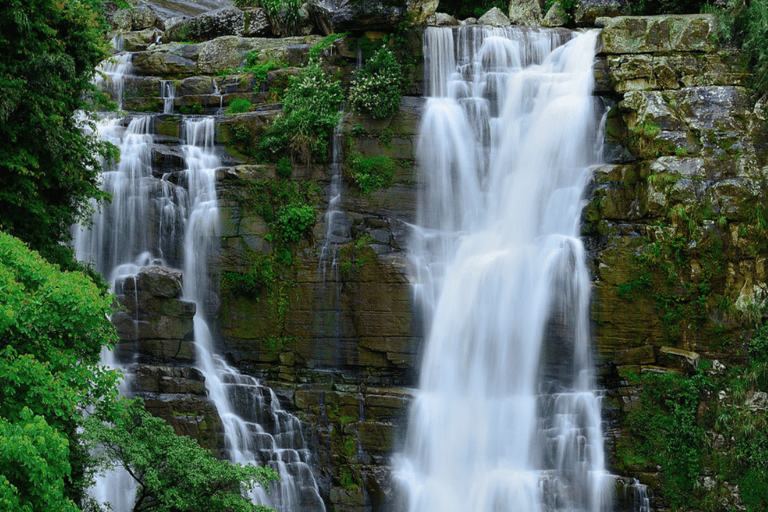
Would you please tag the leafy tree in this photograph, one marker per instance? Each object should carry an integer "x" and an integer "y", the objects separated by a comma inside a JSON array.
[
  {"x": 173, "y": 472},
  {"x": 50, "y": 157},
  {"x": 378, "y": 86},
  {"x": 53, "y": 325}
]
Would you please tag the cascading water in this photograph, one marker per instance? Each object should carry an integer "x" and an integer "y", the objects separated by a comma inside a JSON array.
[
  {"x": 154, "y": 221},
  {"x": 168, "y": 94},
  {"x": 506, "y": 417}
]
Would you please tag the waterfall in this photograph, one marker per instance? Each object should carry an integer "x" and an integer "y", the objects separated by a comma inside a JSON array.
[
  {"x": 168, "y": 94},
  {"x": 172, "y": 221},
  {"x": 506, "y": 416}
]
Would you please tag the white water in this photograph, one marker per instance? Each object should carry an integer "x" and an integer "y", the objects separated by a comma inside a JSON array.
[
  {"x": 506, "y": 417},
  {"x": 152, "y": 221},
  {"x": 168, "y": 93}
]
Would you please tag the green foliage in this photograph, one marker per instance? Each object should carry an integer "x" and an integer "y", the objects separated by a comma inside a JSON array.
[
  {"x": 372, "y": 173},
  {"x": 286, "y": 12},
  {"x": 50, "y": 158},
  {"x": 377, "y": 88},
  {"x": 195, "y": 109},
  {"x": 310, "y": 114},
  {"x": 461, "y": 10},
  {"x": 238, "y": 106},
  {"x": 173, "y": 473},
  {"x": 284, "y": 168},
  {"x": 53, "y": 325},
  {"x": 294, "y": 221},
  {"x": 652, "y": 7},
  {"x": 327, "y": 41},
  {"x": 755, "y": 40},
  {"x": 665, "y": 431}
]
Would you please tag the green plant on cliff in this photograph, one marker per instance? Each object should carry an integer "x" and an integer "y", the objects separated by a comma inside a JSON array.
[
  {"x": 310, "y": 114},
  {"x": 377, "y": 88},
  {"x": 372, "y": 173},
  {"x": 238, "y": 106}
]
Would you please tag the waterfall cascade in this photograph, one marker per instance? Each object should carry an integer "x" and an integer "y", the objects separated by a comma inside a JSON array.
[
  {"x": 171, "y": 220},
  {"x": 506, "y": 416}
]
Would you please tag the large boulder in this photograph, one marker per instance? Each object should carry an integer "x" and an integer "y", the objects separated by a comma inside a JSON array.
[
  {"x": 230, "y": 52},
  {"x": 525, "y": 12},
  {"x": 495, "y": 18},
  {"x": 652, "y": 34},
  {"x": 555, "y": 17},
  {"x": 589, "y": 10},
  {"x": 223, "y": 22},
  {"x": 257, "y": 23},
  {"x": 420, "y": 10},
  {"x": 335, "y": 16}
]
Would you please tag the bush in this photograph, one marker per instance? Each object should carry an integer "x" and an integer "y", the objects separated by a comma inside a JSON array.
[
  {"x": 284, "y": 168},
  {"x": 372, "y": 173},
  {"x": 295, "y": 220},
  {"x": 310, "y": 114},
  {"x": 377, "y": 87},
  {"x": 238, "y": 106}
]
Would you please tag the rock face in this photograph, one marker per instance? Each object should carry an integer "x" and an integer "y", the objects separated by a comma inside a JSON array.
[
  {"x": 223, "y": 22},
  {"x": 495, "y": 18},
  {"x": 155, "y": 330},
  {"x": 677, "y": 254},
  {"x": 334, "y": 333},
  {"x": 525, "y": 12},
  {"x": 587, "y": 11},
  {"x": 336, "y": 16}
]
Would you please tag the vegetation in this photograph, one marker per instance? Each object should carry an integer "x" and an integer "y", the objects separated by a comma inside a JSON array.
[
  {"x": 372, "y": 173},
  {"x": 461, "y": 10},
  {"x": 172, "y": 473},
  {"x": 238, "y": 106},
  {"x": 310, "y": 114},
  {"x": 53, "y": 325},
  {"x": 51, "y": 156},
  {"x": 377, "y": 88}
]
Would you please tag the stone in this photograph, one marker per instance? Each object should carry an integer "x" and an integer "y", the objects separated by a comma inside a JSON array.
[
  {"x": 139, "y": 41},
  {"x": 635, "y": 356},
  {"x": 494, "y": 18},
  {"x": 555, "y": 17},
  {"x": 256, "y": 23},
  {"x": 588, "y": 11},
  {"x": 122, "y": 20},
  {"x": 336, "y": 16},
  {"x": 229, "y": 21},
  {"x": 649, "y": 34},
  {"x": 420, "y": 10},
  {"x": 678, "y": 359},
  {"x": 441, "y": 19},
  {"x": 154, "y": 63},
  {"x": 525, "y": 12},
  {"x": 142, "y": 17}
]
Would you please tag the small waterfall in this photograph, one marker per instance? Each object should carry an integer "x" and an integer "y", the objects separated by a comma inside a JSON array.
[
  {"x": 152, "y": 221},
  {"x": 337, "y": 224},
  {"x": 110, "y": 73},
  {"x": 506, "y": 416},
  {"x": 168, "y": 94}
]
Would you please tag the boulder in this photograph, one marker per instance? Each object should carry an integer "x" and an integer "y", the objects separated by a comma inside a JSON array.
[
  {"x": 142, "y": 18},
  {"x": 525, "y": 12},
  {"x": 121, "y": 20},
  {"x": 589, "y": 10},
  {"x": 420, "y": 10},
  {"x": 555, "y": 17},
  {"x": 441, "y": 19},
  {"x": 222, "y": 22},
  {"x": 257, "y": 23},
  {"x": 650, "y": 34},
  {"x": 495, "y": 18},
  {"x": 162, "y": 64},
  {"x": 140, "y": 40},
  {"x": 336, "y": 16}
]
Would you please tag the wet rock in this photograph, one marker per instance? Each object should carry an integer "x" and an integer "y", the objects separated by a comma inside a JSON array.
[
  {"x": 441, "y": 19},
  {"x": 162, "y": 64},
  {"x": 555, "y": 17}
]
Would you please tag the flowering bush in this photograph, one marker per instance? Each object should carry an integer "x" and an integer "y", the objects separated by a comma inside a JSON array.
[
  {"x": 310, "y": 113},
  {"x": 377, "y": 87}
]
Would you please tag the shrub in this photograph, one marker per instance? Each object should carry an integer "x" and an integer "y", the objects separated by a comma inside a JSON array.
[
  {"x": 377, "y": 87},
  {"x": 372, "y": 173},
  {"x": 284, "y": 168},
  {"x": 310, "y": 114},
  {"x": 295, "y": 220},
  {"x": 238, "y": 106}
]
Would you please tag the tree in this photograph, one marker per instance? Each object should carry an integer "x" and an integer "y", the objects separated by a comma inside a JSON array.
[
  {"x": 53, "y": 325},
  {"x": 173, "y": 472},
  {"x": 49, "y": 163}
]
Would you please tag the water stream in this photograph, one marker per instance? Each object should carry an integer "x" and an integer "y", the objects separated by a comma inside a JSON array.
[
  {"x": 172, "y": 220},
  {"x": 507, "y": 416}
]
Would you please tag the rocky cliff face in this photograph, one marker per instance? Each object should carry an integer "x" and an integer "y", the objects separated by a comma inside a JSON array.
[{"x": 674, "y": 223}]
